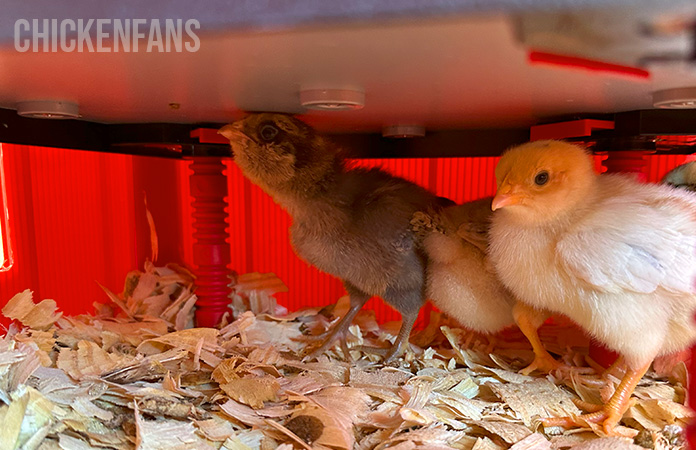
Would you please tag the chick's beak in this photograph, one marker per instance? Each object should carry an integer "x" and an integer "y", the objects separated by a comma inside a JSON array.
[
  {"x": 233, "y": 132},
  {"x": 505, "y": 197}
]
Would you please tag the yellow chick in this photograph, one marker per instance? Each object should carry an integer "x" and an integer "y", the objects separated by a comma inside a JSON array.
[
  {"x": 616, "y": 256},
  {"x": 460, "y": 280}
]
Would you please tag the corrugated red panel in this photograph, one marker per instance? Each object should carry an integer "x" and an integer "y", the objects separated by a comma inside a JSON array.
[
  {"x": 416, "y": 170},
  {"x": 465, "y": 179},
  {"x": 71, "y": 222},
  {"x": 240, "y": 221}
]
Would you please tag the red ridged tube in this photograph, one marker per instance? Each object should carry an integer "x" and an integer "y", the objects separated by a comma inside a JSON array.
[{"x": 211, "y": 250}]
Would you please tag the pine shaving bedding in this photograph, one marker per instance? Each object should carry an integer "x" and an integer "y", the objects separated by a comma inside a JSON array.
[{"x": 138, "y": 375}]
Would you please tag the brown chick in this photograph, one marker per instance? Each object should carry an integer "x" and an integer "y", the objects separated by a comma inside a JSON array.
[
  {"x": 351, "y": 223},
  {"x": 461, "y": 282},
  {"x": 616, "y": 256}
]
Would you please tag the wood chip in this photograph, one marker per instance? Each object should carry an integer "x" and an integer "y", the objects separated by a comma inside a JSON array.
[
  {"x": 39, "y": 316},
  {"x": 167, "y": 434},
  {"x": 510, "y": 432},
  {"x": 535, "y": 441},
  {"x": 536, "y": 399},
  {"x": 486, "y": 443},
  {"x": 252, "y": 391}
]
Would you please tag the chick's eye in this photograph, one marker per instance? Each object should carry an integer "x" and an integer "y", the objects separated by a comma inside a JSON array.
[
  {"x": 268, "y": 132},
  {"x": 541, "y": 178}
]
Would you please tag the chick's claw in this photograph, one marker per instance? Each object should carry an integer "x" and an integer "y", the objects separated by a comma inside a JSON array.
[
  {"x": 608, "y": 419},
  {"x": 547, "y": 364},
  {"x": 327, "y": 340},
  {"x": 544, "y": 363}
]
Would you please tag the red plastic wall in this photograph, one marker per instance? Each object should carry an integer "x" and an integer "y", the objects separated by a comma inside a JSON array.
[{"x": 78, "y": 217}]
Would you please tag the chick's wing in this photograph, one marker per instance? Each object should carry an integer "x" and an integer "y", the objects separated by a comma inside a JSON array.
[{"x": 634, "y": 244}]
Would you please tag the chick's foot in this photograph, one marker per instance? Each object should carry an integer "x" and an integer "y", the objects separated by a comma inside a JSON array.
[
  {"x": 544, "y": 362},
  {"x": 529, "y": 320},
  {"x": 327, "y": 341},
  {"x": 610, "y": 415},
  {"x": 340, "y": 331},
  {"x": 398, "y": 348},
  {"x": 408, "y": 318}
]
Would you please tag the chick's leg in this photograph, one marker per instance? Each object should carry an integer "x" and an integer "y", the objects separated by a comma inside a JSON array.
[
  {"x": 610, "y": 415},
  {"x": 529, "y": 320},
  {"x": 408, "y": 318},
  {"x": 340, "y": 331},
  {"x": 621, "y": 400},
  {"x": 617, "y": 369},
  {"x": 408, "y": 301}
]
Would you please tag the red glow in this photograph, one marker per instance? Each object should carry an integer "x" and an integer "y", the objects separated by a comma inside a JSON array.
[
  {"x": 537, "y": 57},
  {"x": 78, "y": 217}
]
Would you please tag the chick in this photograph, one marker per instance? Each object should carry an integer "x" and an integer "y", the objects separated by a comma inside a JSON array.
[
  {"x": 351, "y": 223},
  {"x": 616, "y": 256},
  {"x": 460, "y": 281},
  {"x": 683, "y": 176}
]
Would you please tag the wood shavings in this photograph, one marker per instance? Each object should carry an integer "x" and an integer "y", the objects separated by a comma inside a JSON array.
[
  {"x": 187, "y": 339},
  {"x": 242, "y": 413},
  {"x": 254, "y": 292},
  {"x": 245, "y": 440},
  {"x": 163, "y": 434},
  {"x": 510, "y": 432},
  {"x": 138, "y": 375},
  {"x": 384, "y": 377},
  {"x": 216, "y": 428},
  {"x": 89, "y": 360},
  {"x": 39, "y": 316},
  {"x": 486, "y": 443},
  {"x": 436, "y": 435},
  {"x": 284, "y": 335},
  {"x": 537, "y": 398},
  {"x": 252, "y": 391},
  {"x": 655, "y": 415},
  {"x": 463, "y": 407},
  {"x": 535, "y": 441}
]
